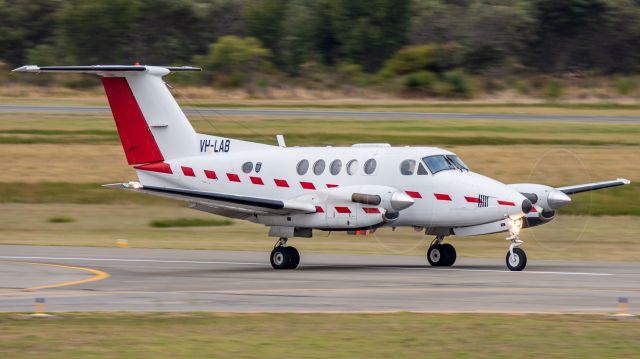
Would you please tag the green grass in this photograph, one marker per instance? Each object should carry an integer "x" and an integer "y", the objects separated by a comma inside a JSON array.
[
  {"x": 189, "y": 222},
  {"x": 609, "y": 202},
  {"x": 335, "y": 336},
  {"x": 61, "y": 219}
]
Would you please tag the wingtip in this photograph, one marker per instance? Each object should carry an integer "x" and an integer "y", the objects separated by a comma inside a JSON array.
[
  {"x": 624, "y": 180},
  {"x": 27, "y": 68}
]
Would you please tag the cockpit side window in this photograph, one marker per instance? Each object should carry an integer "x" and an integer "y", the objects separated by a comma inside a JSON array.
[
  {"x": 407, "y": 167},
  {"x": 458, "y": 162},
  {"x": 438, "y": 163},
  {"x": 422, "y": 170}
]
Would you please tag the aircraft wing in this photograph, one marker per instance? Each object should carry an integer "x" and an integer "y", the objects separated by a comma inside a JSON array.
[
  {"x": 593, "y": 186},
  {"x": 223, "y": 204}
]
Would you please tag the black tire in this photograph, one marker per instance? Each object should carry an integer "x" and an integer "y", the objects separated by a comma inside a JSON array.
[
  {"x": 294, "y": 257},
  {"x": 451, "y": 254},
  {"x": 520, "y": 260},
  {"x": 280, "y": 258},
  {"x": 437, "y": 256}
]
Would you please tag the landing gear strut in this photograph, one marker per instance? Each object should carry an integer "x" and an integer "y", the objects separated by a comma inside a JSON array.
[
  {"x": 441, "y": 254},
  {"x": 283, "y": 257},
  {"x": 516, "y": 257}
]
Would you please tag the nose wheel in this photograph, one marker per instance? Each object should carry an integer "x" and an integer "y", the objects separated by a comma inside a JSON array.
[
  {"x": 283, "y": 257},
  {"x": 441, "y": 254}
]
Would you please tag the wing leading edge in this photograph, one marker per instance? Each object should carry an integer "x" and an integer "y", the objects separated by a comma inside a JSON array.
[{"x": 593, "y": 186}]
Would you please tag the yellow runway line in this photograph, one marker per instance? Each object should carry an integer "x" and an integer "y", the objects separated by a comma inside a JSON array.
[{"x": 98, "y": 275}]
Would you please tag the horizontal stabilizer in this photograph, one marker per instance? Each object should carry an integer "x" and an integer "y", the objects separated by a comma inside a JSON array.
[{"x": 97, "y": 69}]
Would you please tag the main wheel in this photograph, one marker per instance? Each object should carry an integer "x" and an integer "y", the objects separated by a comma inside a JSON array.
[
  {"x": 451, "y": 254},
  {"x": 519, "y": 260},
  {"x": 437, "y": 256},
  {"x": 294, "y": 257},
  {"x": 280, "y": 258}
]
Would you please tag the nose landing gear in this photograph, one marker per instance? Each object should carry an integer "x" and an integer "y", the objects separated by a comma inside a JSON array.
[
  {"x": 441, "y": 254},
  {"x": 283, "y": 257},
  {"x": 516, "y": 257}
]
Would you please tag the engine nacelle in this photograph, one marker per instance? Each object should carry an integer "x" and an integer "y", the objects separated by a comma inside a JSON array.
[{"x": 545, "y": 197}]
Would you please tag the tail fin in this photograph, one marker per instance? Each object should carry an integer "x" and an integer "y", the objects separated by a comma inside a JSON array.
[{"x": 151, "y": 125}]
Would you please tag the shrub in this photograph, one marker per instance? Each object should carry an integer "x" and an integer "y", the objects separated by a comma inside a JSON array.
[
  {"x": 61, "y": 219},
  {"x": 456, "y": 84},
  {"x": 553, "y": 90},
  {"x": 190, "y": 222},
  {"x": 420, "y": 81},
  {"x": 625, "y": 86}
]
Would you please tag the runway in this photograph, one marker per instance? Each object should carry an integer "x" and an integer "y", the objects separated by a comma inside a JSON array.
[
  {"x": 337, "y": 114},
  {"x": 127, "y": 279}
]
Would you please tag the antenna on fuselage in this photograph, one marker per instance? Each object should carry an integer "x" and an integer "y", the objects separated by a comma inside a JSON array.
[{"x": 280, "y": 139}]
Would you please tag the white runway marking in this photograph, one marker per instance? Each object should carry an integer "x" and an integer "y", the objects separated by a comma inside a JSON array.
[{"x": 316, "y": 265}]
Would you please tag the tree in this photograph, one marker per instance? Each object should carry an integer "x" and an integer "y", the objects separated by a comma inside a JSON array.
[{"x": 233, "y": 61}]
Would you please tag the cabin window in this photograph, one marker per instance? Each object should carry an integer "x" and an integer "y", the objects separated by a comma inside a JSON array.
[
  {"x": 407, "y": 167},
  {"x": 458, "y": 162},
  {"x": 247, "y": 167},
  {"x": 258, "y": 166},
  {"x": 422, "y": 170},
  {"x": 352, "y": 167},
  {"x": 303, "y": 167},
  {"x": 438, "y": 163},
  {"x": 318, "y": 167},
  {"x": 370, "y": 166},
  {"x": 335, "y": 167}
]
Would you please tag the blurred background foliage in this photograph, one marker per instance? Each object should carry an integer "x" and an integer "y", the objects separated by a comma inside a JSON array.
[{"x": 451, "y": 48}]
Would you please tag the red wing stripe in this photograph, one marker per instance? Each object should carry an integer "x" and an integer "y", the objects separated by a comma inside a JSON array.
[
  {"x": 188, "y": 171},
  {"x": 442, "y": 197},
  {"x": 319, "y": 209},
  {"x": 343, "y": 210},
  {"x": 210, "y": 174},
  {"x": 233, "y": 177},
  {"x": 506, "y": 203},
  {"x": 472, "y": 199},
  {"x": 413, "y": 194},
  {"x": 256, "y": 180},
  {"x": 371, "y": 210},
  {"x": 331, "y": 185},
  {"x": 160, "y": 167},
  {"x": 307, "y": 185},
  {"x": 281, "y": 183}
]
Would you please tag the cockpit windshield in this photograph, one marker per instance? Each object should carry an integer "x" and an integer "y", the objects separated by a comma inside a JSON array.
[
  {"x": 458, "y": 162},
  {"x": 439, "y": 163}
]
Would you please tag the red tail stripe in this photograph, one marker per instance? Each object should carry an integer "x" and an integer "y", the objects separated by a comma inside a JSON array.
[
  {"x": 413, "y": 194},
  {"x": 155, "y": 167},
  {"x": 210, "y": 174},
  {"x": 256, "y": 180},
  {"x": 442, "y": 197},
  {"x": 281, "y": 183},
  {"x": 188, "y": 171},
  {"x": 136, "y": 137},
  {"x": 233, "y": 177},
  {"x": 343, "y": 210},
  {"x": 307, "y": 185}
]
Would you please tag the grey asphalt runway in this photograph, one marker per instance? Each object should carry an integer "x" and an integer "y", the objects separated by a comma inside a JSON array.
[
  {"x": 371, "y": 115},
  {"x": 127, "y": 279}
]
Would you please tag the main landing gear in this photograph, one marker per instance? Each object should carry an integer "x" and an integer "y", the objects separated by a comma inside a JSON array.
[
  {"x": 441, "y": 254},
  {"x": 283, "y": 257}
]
